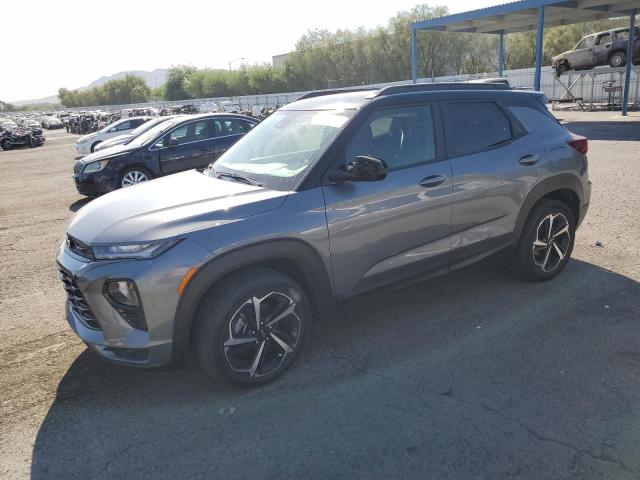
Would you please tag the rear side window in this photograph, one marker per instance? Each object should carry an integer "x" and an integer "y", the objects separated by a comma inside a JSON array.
[{"x": 475, "y": 126}]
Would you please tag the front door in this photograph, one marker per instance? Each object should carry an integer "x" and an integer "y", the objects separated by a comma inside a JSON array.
[
  {"x": 187, "y": 146},
  {"x": 582, "y": 55},
  {"x": 390, "y": 229}
]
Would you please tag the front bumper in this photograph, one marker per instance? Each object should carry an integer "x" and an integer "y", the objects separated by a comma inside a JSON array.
[
  {"x": 107, "y": 334},
  {"x": 94, "y": 184}
]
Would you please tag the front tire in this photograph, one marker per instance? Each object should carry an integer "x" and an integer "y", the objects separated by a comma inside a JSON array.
[
  {"x": 133, "y": 176},
  {"x": 546, "y": 242},
  {"x": 251, "y": 328},
  {"x": 618, "y": 59}
]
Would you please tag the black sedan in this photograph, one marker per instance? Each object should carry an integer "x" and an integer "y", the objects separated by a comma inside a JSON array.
[{"x": 169, "y": 147}]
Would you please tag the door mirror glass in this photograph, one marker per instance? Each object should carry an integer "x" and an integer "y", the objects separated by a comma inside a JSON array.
[
  {"x": 172, "y": 142},
  {"x": 363, "y": 169}
]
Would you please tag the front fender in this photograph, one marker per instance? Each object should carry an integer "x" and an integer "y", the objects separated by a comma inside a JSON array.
[{"x": 317, "y": 280}]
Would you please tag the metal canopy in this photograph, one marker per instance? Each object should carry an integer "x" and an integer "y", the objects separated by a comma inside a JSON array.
[
  {"x": 526, "y": 15},
  {"x": 522, "y": 16}
]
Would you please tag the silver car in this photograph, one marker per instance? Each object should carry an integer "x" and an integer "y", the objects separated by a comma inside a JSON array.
[{"x": 333, "y": 195}]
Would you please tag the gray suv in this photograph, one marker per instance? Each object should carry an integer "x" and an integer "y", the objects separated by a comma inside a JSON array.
[{"x": 335, "y": 194}]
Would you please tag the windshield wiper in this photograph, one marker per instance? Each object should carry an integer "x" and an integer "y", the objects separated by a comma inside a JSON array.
[{"x": 238, "y": 178}]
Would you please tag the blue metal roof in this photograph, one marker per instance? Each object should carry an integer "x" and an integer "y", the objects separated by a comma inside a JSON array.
[{"x": 522, "y": 15}]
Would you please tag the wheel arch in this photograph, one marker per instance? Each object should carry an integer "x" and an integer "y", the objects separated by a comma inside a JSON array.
[
  {"x": 565, "y": 187},
  {"x": 292, "y": 257}
]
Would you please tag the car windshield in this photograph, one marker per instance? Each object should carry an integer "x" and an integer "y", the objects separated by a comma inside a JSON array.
[
  {"x": 279, "y": 150},
  {"x": 153, "y": 132}
]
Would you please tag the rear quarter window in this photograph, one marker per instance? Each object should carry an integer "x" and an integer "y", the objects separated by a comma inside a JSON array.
[
  {"x": 534, "y": 120},
  {"x": 475, "y": 126}
]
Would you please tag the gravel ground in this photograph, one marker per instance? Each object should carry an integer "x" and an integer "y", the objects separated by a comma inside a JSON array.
[{"x": 474, "y": 375}]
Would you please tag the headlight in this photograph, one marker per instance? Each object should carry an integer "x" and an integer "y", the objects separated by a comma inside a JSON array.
[
  {"x": 141, "y": 251},
  {"x": 95, "y": 166}
]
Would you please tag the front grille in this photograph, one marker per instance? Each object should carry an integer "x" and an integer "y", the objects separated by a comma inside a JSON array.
[
  {"x": 77, "y": 301},
  {"x": 79, "y": 248},
  {"x": 77, "y": 168}
]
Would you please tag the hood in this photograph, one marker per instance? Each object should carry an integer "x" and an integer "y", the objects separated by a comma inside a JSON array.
[
  {"x": 86, "y": 137},
  {"x": 560, "y": 55},
  {"x": 107, "y": 152},
  {"x": 170, "y": 206},
  {"x": 119, "y": 140}
]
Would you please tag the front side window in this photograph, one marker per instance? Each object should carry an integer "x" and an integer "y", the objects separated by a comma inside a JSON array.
[
  {"x": 190, "y": 132},
  {"x": 279, "y": 150},
  {"x": 604, "y": 39},
  {"x": 401, "y": 137},
  {"x": 475, "y": 126},
  {"x": 124, "y": 126},
  {"x": 586, "y": 42}
]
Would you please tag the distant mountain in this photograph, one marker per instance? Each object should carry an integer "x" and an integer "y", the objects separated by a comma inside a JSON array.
[{"x": 153, "y": 78}]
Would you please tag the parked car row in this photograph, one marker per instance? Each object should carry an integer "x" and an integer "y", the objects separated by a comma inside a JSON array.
[
  {"x": 170, "y": 145},
  {"x": 24, "y": 132}
]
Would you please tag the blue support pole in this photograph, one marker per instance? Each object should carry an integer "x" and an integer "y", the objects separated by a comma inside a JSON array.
[
  {"x": 501, "y": 55},
  {"x": 627, "y": 76},
  {"x": 536, "y": 81},
  {"x": 414, "y": 57}
]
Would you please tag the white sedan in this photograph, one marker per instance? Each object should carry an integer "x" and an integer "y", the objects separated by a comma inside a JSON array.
[{"x": 87, "y": 144}]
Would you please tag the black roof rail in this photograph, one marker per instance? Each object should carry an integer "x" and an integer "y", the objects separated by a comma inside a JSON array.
[
  {"x": 435, "y": 86},
  {"x": 333, "y": 91}
]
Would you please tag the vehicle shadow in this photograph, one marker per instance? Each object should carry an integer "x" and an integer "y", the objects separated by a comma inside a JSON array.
[
  {"x": 471, "y": 374},
  {"x": 606, "y": 130},
  {"x": 78, "y": 204}
]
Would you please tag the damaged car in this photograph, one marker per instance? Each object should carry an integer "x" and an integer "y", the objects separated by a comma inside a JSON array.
[{"x": 20, "y": 137}]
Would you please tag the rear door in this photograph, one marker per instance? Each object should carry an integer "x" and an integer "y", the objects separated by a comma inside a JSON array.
[
  {"x": 602, "y": 49},
  {"x": 492, "y": 164},
  {"x": 187, "y": 146},
  {"x": 227, "y": 132}
]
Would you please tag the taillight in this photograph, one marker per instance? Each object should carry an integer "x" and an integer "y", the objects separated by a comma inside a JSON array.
[{"x": 579, "y": 143}]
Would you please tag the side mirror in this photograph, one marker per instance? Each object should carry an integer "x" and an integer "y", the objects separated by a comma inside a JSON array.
[
  {"x": 363, "y": 169},
  {"x": 172, "y": 142}
]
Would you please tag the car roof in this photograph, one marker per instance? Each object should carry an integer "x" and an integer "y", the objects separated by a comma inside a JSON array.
[{"x": 355, "y": 99}]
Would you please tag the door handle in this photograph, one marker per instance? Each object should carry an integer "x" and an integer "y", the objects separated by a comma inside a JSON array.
[
  {"x": 432, "y": 181},
  {"x": 529, "y": 159}
]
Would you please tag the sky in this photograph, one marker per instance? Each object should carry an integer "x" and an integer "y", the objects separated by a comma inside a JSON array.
[{"x": 70, "y": 43}]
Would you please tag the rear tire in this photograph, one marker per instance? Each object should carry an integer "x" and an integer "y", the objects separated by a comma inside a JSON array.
[
  {"x": 232, "y": 346},
  {"x": 546, "y": 242},
  {"x": 618, "y": 59}
]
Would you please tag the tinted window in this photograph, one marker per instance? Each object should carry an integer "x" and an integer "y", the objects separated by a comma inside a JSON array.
[
  {"x": 189, "y": 132},
  {"x": 124, "y": 126},
  {"x": 231, "y": 127},
  {"x": 476, "y": 126},
  {"x": 400, "y": 136},
  {"x": 604, "y": 39}
]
